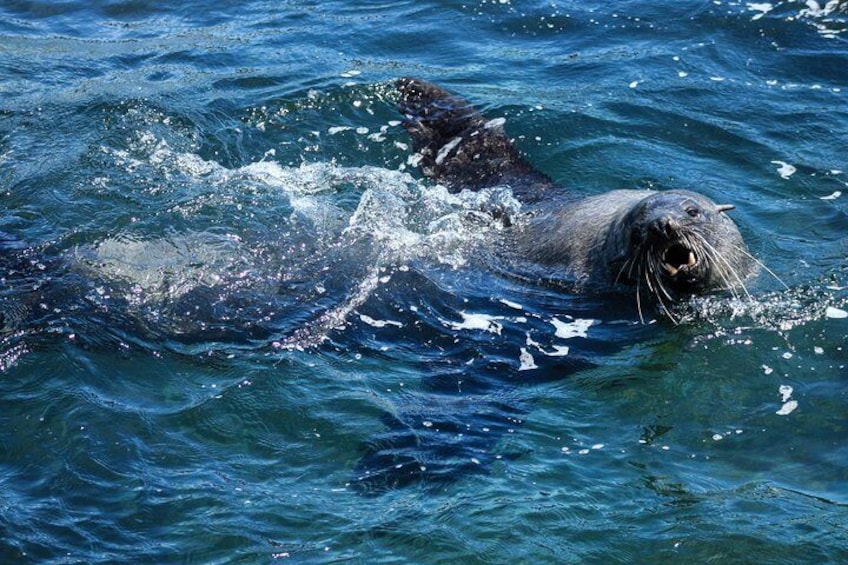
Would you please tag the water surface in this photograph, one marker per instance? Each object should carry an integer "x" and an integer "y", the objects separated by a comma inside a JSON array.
[{"x": 241, "y": 328}]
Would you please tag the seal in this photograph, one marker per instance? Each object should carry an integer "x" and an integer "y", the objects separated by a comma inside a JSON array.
[{"x": 668, "y": 244}]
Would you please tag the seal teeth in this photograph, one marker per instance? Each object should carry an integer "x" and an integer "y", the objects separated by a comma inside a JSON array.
[{"x": 677, "y": 258}]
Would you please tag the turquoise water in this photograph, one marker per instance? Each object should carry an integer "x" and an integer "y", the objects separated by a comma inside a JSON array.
[{"x": 240, "y": 328}]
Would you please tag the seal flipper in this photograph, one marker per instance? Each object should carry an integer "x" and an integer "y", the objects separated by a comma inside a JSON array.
[{"x": 461, "y": 149}]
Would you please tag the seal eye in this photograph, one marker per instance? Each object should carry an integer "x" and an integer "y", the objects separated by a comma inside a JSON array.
[{"x": 693, "y": 211}]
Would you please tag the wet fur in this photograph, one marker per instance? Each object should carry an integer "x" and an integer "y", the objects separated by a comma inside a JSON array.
[
  {"x": 665, "y": 244},
  {"x": 461, "y": 149}
]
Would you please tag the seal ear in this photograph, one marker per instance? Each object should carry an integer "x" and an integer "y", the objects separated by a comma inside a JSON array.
[{"x": 725, "y": 207}]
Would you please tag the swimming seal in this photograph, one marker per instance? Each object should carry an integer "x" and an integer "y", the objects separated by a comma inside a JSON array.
[{"x": 668, "y": 244}]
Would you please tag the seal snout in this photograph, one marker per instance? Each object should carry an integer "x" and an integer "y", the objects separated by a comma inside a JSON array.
[
  {"x": 676, "y": 256},
  {"x": 664, "y": 228}
]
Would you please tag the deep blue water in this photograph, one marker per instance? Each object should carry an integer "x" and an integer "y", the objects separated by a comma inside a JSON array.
[{"x": 240, "y": 328}]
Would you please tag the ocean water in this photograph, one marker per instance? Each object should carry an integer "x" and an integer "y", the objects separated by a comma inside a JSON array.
[{"x": 239, "y": 327}]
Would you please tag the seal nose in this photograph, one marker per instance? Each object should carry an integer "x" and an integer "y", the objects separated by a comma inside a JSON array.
[{"x": 663, "y": 227}]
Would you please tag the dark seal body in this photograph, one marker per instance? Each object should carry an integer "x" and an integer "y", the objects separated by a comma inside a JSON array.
[{"x": 667, "y": 244}]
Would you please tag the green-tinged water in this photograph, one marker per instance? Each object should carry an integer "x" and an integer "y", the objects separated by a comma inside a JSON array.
[{"x": 240, "y": 328}]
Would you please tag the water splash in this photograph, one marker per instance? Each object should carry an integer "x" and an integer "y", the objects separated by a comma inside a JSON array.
[
  {"x": 325, "y": 226},
  {"x": 779, "y": 311}
]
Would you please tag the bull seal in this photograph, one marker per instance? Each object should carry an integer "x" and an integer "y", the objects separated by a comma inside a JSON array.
[{"x": 668, "y": 244}]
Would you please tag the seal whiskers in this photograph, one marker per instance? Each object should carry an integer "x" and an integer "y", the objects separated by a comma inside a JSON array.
[
  {"x": 652, "y": 272},
  {"x": 762, "y": 266},
  {"x": 639, "y": 300},
  {"x": 723, "y": 272}
]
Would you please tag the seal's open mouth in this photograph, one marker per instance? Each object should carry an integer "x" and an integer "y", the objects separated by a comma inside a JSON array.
[{"x": 678, "y": 257}]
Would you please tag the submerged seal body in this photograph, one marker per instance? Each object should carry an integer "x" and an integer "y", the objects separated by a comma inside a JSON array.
[{"x": 667, "y": 244}]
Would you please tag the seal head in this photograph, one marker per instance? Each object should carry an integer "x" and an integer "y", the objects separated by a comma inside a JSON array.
[{"x": 678, "y": 242}]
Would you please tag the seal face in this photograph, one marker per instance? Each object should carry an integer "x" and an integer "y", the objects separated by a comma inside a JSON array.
[
  {"x": 678, "y": 243},
  {"x": 667, "y": 244}
]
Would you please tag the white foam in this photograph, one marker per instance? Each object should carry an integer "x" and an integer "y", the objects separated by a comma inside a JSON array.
[
  {"x": 414, "y": 159},
  {"x": 785, "y": 397},
  {"x": 833, "y": 196},
  {"x": 785, "y": 170},
  {"x": 379, "y": 323},
  {"x": 511, "y": 304},
  {"x": 762, "y": 7},
  {"x": 576, "y": 328},
  {"x": 526, "y": 360},
  {"x": 338, "y": 129},
  {"x": 816, "y": 10},
  {"x": 558, "y": 350},
  {"x": 787, "y": 408},
  {"x": 471, "y": 321},
  {"x": 836, "y": 313}
]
